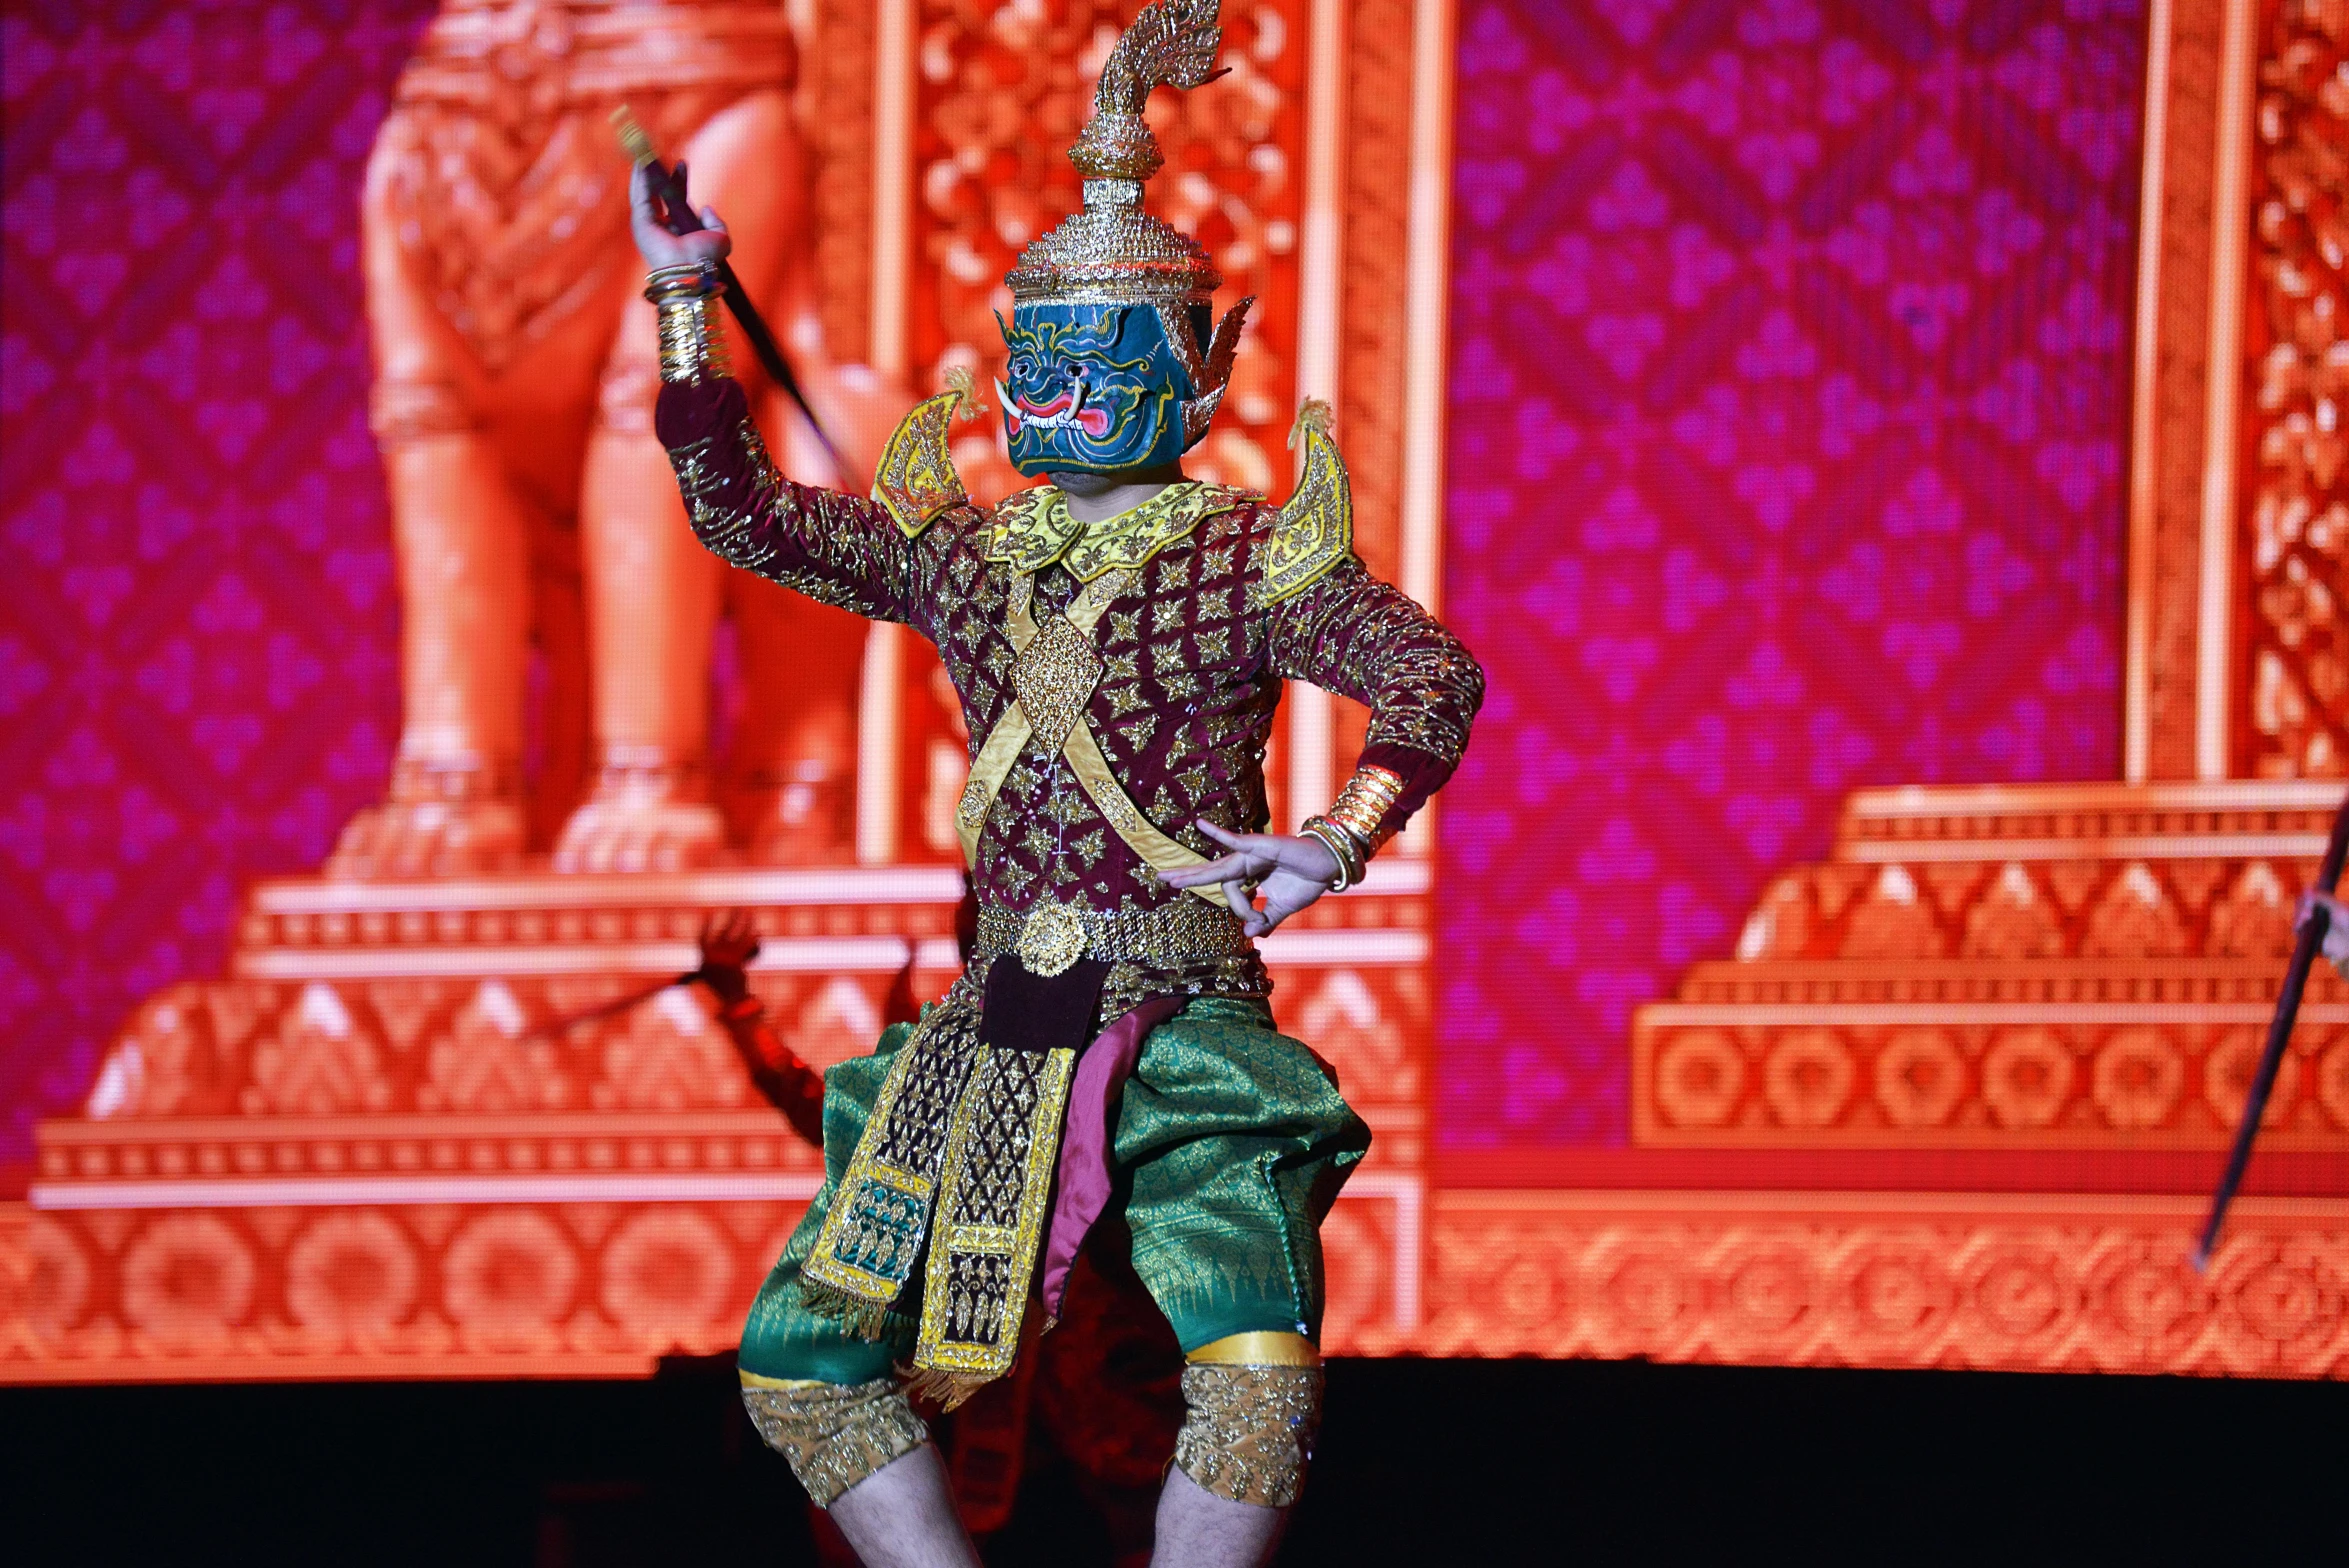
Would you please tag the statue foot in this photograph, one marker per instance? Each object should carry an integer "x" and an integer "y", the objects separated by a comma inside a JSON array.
[
  {"x": 805, "y": 817},
  {"x": 441, "y": 820},
  {"x": 644, "y": 816}
]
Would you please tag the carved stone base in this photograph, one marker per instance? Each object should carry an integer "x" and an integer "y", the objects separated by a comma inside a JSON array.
[
  {"x": 583, "y": 1280},
  {"x": 363, "y": 1154},
  {"x": 355, "y": 1158},
  {"x": 2074, "y": 966}
]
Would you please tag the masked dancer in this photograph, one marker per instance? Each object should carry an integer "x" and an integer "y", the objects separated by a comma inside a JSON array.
[{"x": 1117, "y": 636}]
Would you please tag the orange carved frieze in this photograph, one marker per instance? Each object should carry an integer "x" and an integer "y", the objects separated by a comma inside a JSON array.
[
  {"x": 1881, "y": 1279},
  {"x": 2084, "y": 966},
  {"x": 380, "y": 1290},
  {"x": 350, "y": 1047},
  {"x": 443, "y": 996},
  {"x": 577, "y": 1276},
  {"x": 2169, "y": 1081},
  {"x": 370, "y": 1153},
  {"x": 2040, "y": 1284}
]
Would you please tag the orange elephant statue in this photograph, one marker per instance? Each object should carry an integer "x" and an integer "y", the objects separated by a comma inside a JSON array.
[{"x": 560, "y": 617}]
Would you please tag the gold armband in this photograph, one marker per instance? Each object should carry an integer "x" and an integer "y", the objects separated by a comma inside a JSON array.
[
  {"x": 1362, "y": 806},
  {"x": 1355, "y": 826},
  {"x": 693, "y": 340}
]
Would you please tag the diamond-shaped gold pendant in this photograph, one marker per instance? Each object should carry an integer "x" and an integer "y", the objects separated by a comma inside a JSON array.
[
  {"x": 1053, "y": 679},
  {"x": 1052, "y": 940}
]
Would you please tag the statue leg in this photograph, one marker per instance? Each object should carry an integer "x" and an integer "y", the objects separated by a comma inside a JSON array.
[
  {"x": 792, "y": 771},
  {"x": 652, "y": 591},
  {"x": 794, "y": 758},
  {"x": 461, "y": 535}
]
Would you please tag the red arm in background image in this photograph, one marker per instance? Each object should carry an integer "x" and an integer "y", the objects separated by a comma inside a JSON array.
[{"x": 791, "y": 1085}]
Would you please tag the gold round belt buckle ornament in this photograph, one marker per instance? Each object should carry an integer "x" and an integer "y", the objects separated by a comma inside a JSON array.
[{"x": 1052, "y": 939}]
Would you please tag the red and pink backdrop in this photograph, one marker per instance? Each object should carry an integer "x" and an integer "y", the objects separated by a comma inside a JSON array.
[
  {"x": 1788, "y": 400},
  {"x": 1789, "y": 404}
]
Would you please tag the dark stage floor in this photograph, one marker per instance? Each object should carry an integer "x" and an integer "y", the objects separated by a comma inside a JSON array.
[{"x": 1423, "y": 1462}]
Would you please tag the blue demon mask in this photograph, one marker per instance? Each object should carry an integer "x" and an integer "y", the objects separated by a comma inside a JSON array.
[
  {"x": 1112, "y": 364},
  {"x": 1095, "y": 388}
]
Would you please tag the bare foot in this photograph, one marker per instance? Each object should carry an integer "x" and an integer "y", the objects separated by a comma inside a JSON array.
[
  {"x": 804, "y": 820},
  {"x": 441, "y": 821},
  {"x": 644, "y": 818}
]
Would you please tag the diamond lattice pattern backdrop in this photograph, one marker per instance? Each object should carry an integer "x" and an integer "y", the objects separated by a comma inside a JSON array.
[
  {"x": 198, "y": 676},
  {"x": 1789, "y": 390}
]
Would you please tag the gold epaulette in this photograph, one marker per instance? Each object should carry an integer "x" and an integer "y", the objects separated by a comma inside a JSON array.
[
  {"x": 916, "y": 478},
  {"x": 1315, "y": 534}
]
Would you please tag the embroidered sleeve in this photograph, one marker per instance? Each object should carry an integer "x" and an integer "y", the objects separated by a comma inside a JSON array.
[
  {"x": 1362, "y": 638},
  {"x": 837, "y": 549}
]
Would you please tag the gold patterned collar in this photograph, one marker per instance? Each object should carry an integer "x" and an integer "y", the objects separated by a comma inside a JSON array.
[{"x": 1033, "y": 529}]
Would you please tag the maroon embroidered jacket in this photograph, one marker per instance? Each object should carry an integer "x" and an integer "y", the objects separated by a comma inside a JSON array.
[{"x": 1177, "y": 682}]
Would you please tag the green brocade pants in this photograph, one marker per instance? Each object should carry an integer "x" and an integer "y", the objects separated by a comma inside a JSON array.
[{"x": 1231, "y": 1144}]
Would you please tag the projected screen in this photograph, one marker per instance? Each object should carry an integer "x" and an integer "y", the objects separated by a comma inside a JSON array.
[{"x": 1876, "y": 455}]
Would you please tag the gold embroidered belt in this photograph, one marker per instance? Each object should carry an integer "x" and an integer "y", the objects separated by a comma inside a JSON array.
[{"x": 1052, "y": 936}]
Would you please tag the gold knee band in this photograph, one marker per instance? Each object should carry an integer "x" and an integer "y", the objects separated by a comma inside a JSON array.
[
  {"x": 1249, "y": 1429},
  {"x": 1258, "y": 1348},
  {"x": 833, "y": 1434}
]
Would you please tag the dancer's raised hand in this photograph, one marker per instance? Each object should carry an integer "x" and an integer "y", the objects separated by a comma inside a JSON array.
[{"x": 657, "y": 245}]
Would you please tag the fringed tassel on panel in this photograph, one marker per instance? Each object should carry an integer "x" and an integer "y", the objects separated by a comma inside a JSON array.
[
  {"x": 945, "y": 1389},
  {"x": 865, "y": 1319}
]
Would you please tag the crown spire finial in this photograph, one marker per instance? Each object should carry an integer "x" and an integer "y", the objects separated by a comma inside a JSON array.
[{"x": 1113, "y": 250}]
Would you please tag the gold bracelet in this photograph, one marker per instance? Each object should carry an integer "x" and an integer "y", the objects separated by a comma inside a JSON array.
[
  {"x": 693, "y": 339},
  {"x": 1343, "y": 848},
  {"x": 691, "y": 278},
  {"x": 1362, "y": 806}
]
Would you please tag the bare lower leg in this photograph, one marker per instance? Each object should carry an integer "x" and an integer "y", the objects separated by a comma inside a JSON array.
[
  {"x": 1197, "y": 1529},
  {"x": 902, "y": 1516}
]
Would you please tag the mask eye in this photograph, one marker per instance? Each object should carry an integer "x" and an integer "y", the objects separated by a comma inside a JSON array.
[
  {"x": 1022, "y": 365},
  {"x": 1074, "y": 370}
]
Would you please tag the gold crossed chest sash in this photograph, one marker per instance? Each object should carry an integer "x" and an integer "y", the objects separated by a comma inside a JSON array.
[
  {"x": 960, "y": 1148},
  {"x": 1054, "y": 671}
]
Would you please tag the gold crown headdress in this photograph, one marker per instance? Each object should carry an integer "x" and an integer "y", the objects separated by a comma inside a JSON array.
[{"x": 1114, "y": 253}]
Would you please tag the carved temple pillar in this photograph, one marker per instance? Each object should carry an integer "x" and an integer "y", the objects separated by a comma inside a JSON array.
[{"x": 2238, "y": 652}]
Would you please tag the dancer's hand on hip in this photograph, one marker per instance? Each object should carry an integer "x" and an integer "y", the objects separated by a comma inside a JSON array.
[
  {"x": 658, "y": 246},
  {"x": 1289, "y": 872}
]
